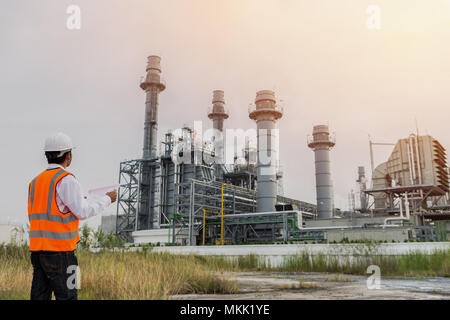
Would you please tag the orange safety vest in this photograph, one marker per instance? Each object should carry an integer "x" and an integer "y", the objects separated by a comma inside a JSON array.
[{"x": 50, "y": 229}]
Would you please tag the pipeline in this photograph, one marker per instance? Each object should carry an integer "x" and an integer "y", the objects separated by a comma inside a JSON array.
[
  {"x": 292, "y": 220},
  {"x": 419, "y": 169},
  {"x": 170, "y": 225},
  {"x": 401, "y": 217},
  {"x": 412, "y": 166},
  {"x": 204, "y": 222},
  {"x": 221, "y": 212},
  {"x": 221, "y": 223}
]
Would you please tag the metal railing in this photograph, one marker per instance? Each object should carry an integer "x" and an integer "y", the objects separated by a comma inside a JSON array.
[
  {"x": 144, "y": 80},
  {"x": 252, "y": 108},
  {"x": 331, "y": 138},
  {"x": 225, "y": 110}
]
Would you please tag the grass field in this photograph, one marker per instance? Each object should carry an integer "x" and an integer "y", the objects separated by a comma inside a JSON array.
[
  {"x": 411, "y": 265},
  {"x": 148, "y": 275},
  {"x": 118, "y": 275}
]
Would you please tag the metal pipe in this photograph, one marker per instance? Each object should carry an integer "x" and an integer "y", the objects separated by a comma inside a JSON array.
[
  {"x": 418, "y": 157},
  {"x": 418, "y": 166},
  {"x": 191, "y": 213},
  {"x": 371, "y": 159},
  {"x": 204, "y": 222},
  {"x": 407, "y": 206},
  {"x": 204, "y": 225},
  {"x": 168, "y": 233},
  {"x": 419, "y": 169},
  {"x": 410, "y": 163},
  {"x": 401, "y": 217},
  {"x": 292, "y": 220},
  {"x": 226, "y": 195},
  {"x": 330, "y": 228},
  {"x": 412, "y": 158},
  {"x": 139, "y": 200},
  {"x": 262, "y": 214},
  {"x": 221, "y": 212}
]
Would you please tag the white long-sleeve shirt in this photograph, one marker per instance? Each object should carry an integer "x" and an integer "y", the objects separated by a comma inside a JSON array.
[{"x": 70, "y": 198}]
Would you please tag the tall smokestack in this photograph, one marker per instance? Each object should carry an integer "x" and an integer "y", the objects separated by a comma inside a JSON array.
[
  {"x": 362, "y": 187},
  {"x": 266, "y": 113},
  {"x": 152, "y": 85},
  {"x": 321, "y": 142},
  {"x": 218, "y": 113},
  {"x": 148, "y": 214}
]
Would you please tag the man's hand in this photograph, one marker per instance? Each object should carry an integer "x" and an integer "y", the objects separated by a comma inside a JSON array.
[{"x": 112, "y": 195}]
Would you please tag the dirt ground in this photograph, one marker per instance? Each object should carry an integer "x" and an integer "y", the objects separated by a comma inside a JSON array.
[{"x": 316, "y": 286}]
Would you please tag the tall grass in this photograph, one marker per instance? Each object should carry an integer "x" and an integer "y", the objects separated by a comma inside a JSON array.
[
  {"x": 413, "y": 264},
  {"x": 118, "y": 275},
  {"x": 148, "y": 275},
  {"x": 15, "y": 271}
]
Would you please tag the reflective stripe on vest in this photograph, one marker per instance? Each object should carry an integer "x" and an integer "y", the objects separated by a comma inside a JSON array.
[
  {"x": 53, "y": 235},
  {"x": 50, "y": 229},
  {"x": 51, "y": 190},
  {"x": 33, "y": 184},
  {"x": 52, "y": 217}
]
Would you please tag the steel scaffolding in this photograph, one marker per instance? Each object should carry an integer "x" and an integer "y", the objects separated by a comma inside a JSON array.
[{"x": 128, "y": 198}]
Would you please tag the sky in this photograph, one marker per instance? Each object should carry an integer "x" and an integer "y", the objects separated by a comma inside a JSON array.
[{"x": 320, "y": 57}]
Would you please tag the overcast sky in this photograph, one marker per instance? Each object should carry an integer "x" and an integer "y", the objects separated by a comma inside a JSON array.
[{"x": 319, "y": 57}]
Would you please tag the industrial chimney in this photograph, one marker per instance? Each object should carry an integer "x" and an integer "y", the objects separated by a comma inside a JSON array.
[
  {"x": 218, "y": 113},
  {"x": 321, "y": 142},
  {"x": 152, "y": 85},
  {"x": 362, "y": 188},
  {"x": 148, "y": 215},
  {"x": 265, "y": 112}
]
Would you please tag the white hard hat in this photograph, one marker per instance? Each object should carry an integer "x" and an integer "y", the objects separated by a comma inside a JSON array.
[{"x": 58, "y": 142}]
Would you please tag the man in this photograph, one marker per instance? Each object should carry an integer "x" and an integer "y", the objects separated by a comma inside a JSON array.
[{"x": 55, "y": 206}]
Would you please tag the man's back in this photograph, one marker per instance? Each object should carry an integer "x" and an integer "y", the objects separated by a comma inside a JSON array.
[
  {"x": 55, "y": 206},
  {"x": 50, "y": 229}
]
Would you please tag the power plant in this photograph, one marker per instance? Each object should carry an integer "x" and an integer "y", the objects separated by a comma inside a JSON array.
[{"x": 190, "y": 193}]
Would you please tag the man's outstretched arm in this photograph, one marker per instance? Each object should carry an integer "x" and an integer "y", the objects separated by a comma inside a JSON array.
[{"x": 69, "y": 191}]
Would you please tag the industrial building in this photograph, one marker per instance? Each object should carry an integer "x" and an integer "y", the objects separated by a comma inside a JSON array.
[{"x": 188, "y": 194}]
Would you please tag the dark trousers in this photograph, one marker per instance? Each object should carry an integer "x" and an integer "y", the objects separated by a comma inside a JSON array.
[{"x": 54, "y": 272}]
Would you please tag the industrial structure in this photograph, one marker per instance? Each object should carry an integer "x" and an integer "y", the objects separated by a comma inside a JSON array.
[
  {"x": 416, "y": 170},
  {"x": 321, "y": 142},
  {"x": 362, "y": 184},
  {"x": 265, "y": 113},
  {"x": 186, "y": 193}
]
